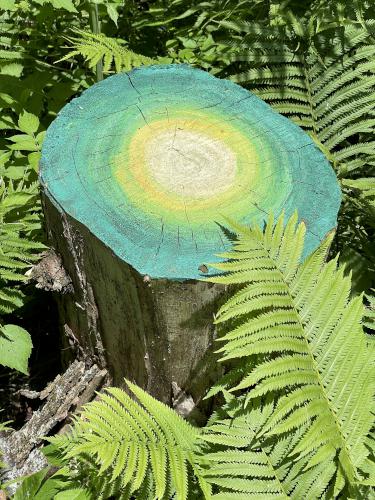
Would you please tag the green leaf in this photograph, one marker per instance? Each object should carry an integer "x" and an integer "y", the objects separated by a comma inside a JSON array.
[
  {"x": 4, "y": 157},
  {"x": 64, "y": 4},
  {"x": 50, "y": 488},
  {"x": 12, "y": 69},
  {"x": 15, "y": 173},
  {"x": 15, "y": 348},
  {"x": 8, "y": 5},
  {"x": 30, "y": 485},
  {"x": 73, "y": 494},
  {"x": 34, "y": 160},
  {"x": 26, "y": 145},
  {"x": 40, "y": 137},
  {"x": 28, "y": 123},
  {"x": 20, "y": 138},
  {"x": 112, "y": 12}
]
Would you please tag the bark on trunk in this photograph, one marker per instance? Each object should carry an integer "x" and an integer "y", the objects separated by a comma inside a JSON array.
[{"x": 156, "y": 332}]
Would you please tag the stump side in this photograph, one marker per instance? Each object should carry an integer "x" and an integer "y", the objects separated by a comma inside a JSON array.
[{"x": 154, "y": 332}]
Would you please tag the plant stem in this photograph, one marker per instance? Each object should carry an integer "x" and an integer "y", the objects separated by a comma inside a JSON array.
[{"x": 95, "y": 28}]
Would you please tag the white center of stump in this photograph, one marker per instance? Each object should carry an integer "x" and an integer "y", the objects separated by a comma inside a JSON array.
[{"x": 190, "y": 164}]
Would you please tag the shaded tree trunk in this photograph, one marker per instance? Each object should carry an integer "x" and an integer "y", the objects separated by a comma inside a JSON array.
[{"x": 156, "y": 332}]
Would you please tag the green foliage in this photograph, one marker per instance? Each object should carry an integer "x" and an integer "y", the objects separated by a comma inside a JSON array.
[
  {"x": 295, "y": 328},
  {"x": 319, "y": 72},
  {"x": 15, "y": 347},
  {"x": 327, "y": 91},
  {"x": 43, "y": 486},
  {"x": 135, "y": 446},
  {"x": 243, "y": 466},
  {"x": 297, "y": 418},
  {"x": 39, "y": 486},
  {"x": 19, "y": 248},
  {"x": 98, "y": 47},
  {"x": 20, "y": 233}
]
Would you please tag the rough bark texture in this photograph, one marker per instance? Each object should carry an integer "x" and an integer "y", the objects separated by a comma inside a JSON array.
[
  {"x": 158, "y": 333},
  {"x": 68, "y": 392}
]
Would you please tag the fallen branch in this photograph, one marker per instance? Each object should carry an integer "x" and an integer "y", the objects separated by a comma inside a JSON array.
[{"x": 66, "y": 394}]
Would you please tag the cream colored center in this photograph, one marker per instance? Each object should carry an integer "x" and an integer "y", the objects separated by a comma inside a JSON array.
[{"x": 190, "y": 163}]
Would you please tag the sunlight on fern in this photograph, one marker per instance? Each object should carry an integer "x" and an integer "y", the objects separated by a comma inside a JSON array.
[
  {"x": 146, "y": 443},
  {"x": 19, "y": 219},
  {"x": 99, "y": 47},
  {"x": 300, "y": 326},
  {"x": 322, "y": 78}
]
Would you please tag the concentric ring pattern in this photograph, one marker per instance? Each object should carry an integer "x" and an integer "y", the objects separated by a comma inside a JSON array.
[{"x": 154, "y": 160}]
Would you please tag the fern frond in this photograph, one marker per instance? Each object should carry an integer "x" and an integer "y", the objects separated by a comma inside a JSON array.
[
  {"x": 98, "y": 47},
  {"x": 260, "y": 468},
  {"x": 364, "y": 187},
  {"x": 302, "y": 346},
  {"x": 323, "y": 83},
  {"x": 132, "y": 441},
  {"x": 19, "y": 218}
]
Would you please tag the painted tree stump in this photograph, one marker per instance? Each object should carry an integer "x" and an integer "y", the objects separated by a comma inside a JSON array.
[{"x": 139, "y": 174}]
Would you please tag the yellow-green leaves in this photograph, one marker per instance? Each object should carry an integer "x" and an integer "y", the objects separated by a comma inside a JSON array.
[
  {"x": 30, "y": 140},
  {"x": 98, "y": 47},
  {"x": 299, "y": 333},
  {"x": 137, "y": 443}
]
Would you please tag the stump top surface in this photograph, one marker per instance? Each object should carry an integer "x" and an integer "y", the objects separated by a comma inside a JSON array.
[{"x": 154, "y": 160}]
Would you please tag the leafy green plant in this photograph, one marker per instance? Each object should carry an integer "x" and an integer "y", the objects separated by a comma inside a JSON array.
[
  {"x": 15, "y": 347},
  {"x": 19, "y": 218},
  {"x": 42, "y": 486},
  {"x": 20, "y": 230},
  {"x": 243, "y": 465},
  {"x": 297, "y": 327},
  {"x": 19, "y": 249},
  {"x": 19, "y": 221},
  {"x": 327, "y": 92},
  {"x": 297, "y": 418}
]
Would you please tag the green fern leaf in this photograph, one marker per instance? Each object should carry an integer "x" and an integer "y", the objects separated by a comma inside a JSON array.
[
  {"x": 98, "y": 47},
  {"x": 132, "y": 441},
  {"x": 325, "y": 83},
  {"x": 302, "y": 346}
]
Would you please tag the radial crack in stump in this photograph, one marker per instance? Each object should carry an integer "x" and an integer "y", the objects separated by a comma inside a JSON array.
[{"x": 139, "y": 175}]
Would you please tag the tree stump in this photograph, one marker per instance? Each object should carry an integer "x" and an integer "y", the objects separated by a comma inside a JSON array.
[{"x": 139, "y": 176}]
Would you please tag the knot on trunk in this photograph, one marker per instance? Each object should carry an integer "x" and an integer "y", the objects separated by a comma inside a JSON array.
[{"x": 50, "y": 275}]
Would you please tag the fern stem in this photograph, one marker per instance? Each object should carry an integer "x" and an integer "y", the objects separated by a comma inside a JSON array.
[{"x": 95, "y": 28}]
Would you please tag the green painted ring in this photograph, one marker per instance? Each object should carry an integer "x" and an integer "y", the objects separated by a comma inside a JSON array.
[{"x": 154, "y": 160}]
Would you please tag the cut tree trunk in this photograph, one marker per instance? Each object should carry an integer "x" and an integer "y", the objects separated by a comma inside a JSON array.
[
  {"x": 156, "y": 332},
  {"x": 139, "y": 176}
]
